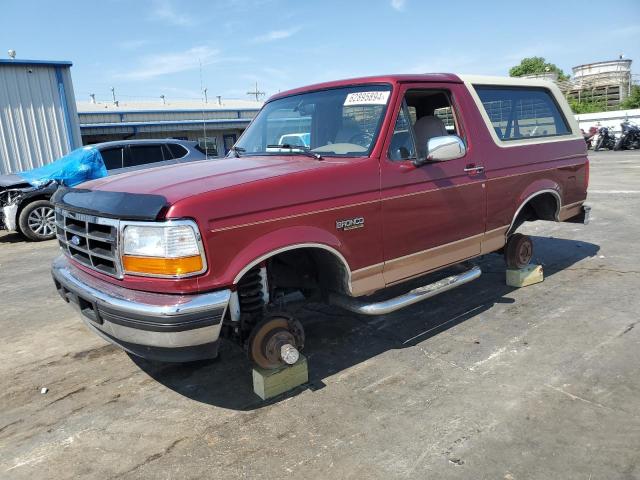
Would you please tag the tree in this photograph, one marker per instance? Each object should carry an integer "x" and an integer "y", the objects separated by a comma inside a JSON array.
[
  {"x": 536, "y": 65},
  {"x": 587, "y": 105},
  {"x": 633, "y": 100}
]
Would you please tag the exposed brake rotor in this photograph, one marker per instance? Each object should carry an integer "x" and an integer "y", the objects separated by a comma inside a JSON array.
[{"x": 276, "y": 341}]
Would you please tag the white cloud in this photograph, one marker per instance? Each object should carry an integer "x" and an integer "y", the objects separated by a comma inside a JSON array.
[
  {"x": 164, "y": 11},
  {"x": 152, "y": 66},
  {"x": 398, "y": 4},
  {"x": 276, "y": 35}
]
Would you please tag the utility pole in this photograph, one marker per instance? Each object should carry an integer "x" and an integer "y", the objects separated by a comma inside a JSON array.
[{"x": 256, "y": 93}]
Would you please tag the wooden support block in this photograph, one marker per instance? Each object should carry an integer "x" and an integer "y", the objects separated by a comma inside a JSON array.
[
  {"x": 269, "y": 383},
  {"x": 524, "y": 276}
]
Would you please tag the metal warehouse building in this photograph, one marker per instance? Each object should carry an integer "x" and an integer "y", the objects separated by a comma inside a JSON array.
[
  {"x": 38, "y": 117},
  {"x": 215, "y": 125}
]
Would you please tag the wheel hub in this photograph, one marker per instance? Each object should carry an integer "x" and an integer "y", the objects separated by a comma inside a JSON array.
[
  {"x": 42, "y": 221},
  {"x": 276, "y": 341},
  {"x": 525, "y": 252}
]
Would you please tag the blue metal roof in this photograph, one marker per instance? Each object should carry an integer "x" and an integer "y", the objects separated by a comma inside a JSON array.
[
  {"x": 165, "y": 122},
  {"x": 168, "y": 110},
  {"x": 46, "y": 63}
]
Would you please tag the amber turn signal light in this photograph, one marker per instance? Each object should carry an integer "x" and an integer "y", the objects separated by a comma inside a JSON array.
[{"x": 162, "y": 266}]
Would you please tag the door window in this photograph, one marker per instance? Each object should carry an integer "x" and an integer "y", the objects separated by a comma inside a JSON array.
[
  {"x": 402, "y": 146},
  {"x": 424, "y": 114},
  {"x": 144, "y": 154},
  {"x": 113, "y": 158},
  {"x": 208, "y": 146},
  {"x": 178, "y": 151}
]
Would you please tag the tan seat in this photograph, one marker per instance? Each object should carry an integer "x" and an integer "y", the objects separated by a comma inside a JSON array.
[
  {"x": 425, "y": 128},
  {"x": 348, "y": 130}
]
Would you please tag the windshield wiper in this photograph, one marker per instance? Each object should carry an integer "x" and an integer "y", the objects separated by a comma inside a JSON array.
[
  {"x": 300, "y": 149},
  {"x": 237, "y": 151}
]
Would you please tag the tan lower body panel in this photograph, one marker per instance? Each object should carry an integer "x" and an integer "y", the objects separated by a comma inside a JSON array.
[
  {"x": 367, "y": 280},
  {"x": 494, "y": 240},
  {"x": 375, "y": 277},
  {"x": 422, "y": 262}
]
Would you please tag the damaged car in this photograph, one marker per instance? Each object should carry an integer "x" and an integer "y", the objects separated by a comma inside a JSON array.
[
  {"x": 25, "y": 205},
  {"x": 24, "y": 197}
]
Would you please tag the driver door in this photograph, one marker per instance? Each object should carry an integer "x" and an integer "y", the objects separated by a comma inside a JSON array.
[{"x": 434, "y": 214}]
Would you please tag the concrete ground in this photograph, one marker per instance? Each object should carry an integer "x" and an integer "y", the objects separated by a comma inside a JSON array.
[{"x": 485, "y": 381}]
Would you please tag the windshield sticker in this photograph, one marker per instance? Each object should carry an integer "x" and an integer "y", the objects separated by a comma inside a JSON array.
[{"x": 367, "y": 98}]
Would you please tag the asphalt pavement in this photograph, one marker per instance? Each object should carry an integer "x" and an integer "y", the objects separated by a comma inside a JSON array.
[{"x": 485, "y": 381}]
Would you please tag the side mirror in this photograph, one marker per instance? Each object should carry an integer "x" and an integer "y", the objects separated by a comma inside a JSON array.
[{"x": 441, "y": 149}]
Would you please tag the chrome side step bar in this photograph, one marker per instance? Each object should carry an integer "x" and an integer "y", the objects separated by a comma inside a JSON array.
[{"x": 414, "y": 296}]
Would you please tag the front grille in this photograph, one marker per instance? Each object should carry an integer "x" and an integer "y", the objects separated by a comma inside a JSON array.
[{"x": 90, "y": 240}]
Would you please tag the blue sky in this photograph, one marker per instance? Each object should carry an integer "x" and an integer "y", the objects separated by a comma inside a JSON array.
[{"x": 145, "y": 48}]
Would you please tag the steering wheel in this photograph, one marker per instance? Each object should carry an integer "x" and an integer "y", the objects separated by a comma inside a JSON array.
[{"x": 363, "y": 139}]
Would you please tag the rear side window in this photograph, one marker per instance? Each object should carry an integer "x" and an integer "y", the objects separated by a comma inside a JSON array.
[
  {"x": 518, "y": 113},
  {"x": 144, "y": 154},
  {"x": 178, "y": 151},
  {"x": 113, "y": 158}
]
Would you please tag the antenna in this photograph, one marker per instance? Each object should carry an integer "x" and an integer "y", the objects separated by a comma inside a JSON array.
[
  {"x": 256, "y": 93},
  {"x": 113, "y": 93},
  {"x": 204, "y": 123}
]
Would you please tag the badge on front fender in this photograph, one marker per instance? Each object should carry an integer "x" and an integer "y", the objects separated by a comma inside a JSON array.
[{"x": 350, "y": 223}]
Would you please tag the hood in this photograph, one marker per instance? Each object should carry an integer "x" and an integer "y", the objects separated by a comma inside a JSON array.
[
  {"x": 13, "y": 181},
  {"x": 176, "y": 182}
]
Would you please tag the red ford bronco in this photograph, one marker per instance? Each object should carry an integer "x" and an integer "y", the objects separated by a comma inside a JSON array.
[{"x": 334, "y": 192}]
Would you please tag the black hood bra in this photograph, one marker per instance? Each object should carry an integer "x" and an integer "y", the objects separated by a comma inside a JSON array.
[{"x": 120, "y": 205}]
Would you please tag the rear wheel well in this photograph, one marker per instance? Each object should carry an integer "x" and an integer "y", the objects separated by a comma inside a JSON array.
[{"x": 543, "y": 206}]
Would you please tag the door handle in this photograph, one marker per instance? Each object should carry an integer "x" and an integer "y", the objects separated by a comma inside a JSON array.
[{"x": 473, "y": 169}]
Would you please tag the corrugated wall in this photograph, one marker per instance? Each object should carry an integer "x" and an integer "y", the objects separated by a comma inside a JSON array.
[{"x": 36, "y": 127}]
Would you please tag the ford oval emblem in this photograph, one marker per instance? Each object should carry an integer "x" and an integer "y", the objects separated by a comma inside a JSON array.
[{"x": 75, "y": 240}]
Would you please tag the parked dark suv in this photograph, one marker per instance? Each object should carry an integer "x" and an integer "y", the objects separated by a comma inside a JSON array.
[
  {"x": 26, "y": 209},
  {"x": 125, "y": 155}
]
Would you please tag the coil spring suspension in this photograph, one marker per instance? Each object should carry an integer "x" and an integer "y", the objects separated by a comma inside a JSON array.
[{"x": 253, "y": 292}]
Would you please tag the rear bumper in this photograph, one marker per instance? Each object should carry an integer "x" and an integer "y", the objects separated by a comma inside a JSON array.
[
  {"x": 584, "y": 216},
  {"x": 164, "y": 327}
]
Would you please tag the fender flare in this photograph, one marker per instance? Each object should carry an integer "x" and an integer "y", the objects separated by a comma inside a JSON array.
[
  {"x": 273, "y": 243},
  {"x": 552, "y": 189}
]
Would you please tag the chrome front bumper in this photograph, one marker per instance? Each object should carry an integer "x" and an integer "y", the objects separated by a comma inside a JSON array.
[{"x": 158, "y": 326}]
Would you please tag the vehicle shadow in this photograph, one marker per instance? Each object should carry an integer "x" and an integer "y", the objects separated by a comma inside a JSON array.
[
  {"x": 12, "y": 238},
  {"x": 338, "y": 339}
]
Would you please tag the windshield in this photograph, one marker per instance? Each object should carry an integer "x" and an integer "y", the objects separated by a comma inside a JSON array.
[{"x": 337, "y": 122}]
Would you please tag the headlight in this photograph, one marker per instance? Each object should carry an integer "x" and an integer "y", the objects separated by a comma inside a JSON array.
[{"x": 171, "y": 250}]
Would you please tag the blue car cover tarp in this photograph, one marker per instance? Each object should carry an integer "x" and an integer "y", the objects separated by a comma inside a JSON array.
[{"x": 81, "y": 165}]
